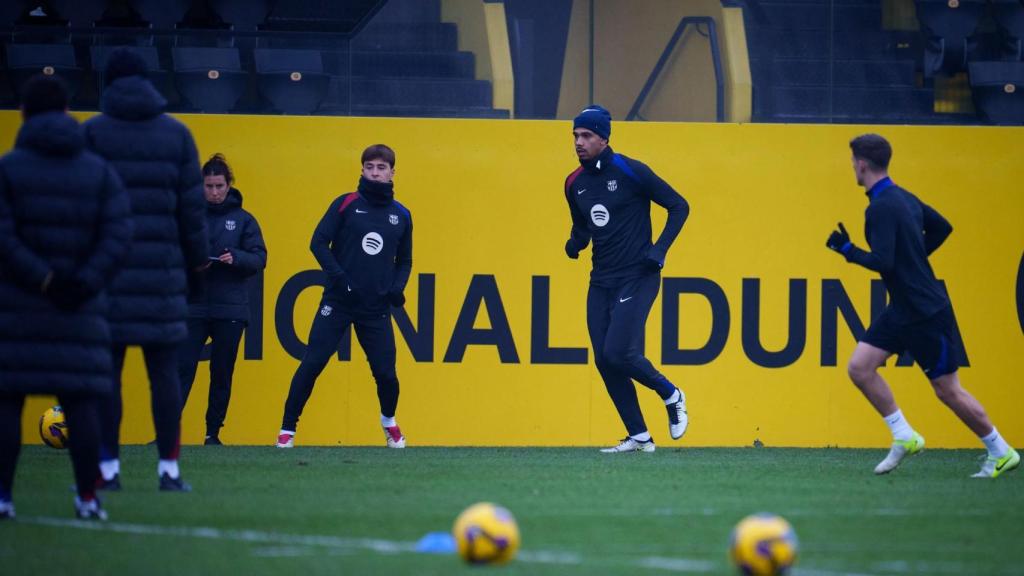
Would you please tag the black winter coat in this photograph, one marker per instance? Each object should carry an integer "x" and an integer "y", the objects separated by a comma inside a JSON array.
[
  {"x": 158, "y": 162},
  {"x": 225, "y": 294},
  {"x": 64, "y": 212}
]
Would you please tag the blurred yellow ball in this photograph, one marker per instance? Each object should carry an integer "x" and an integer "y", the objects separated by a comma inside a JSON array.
[
  {"x": 486, "y": 534},
  {"x": 763, "y": 545}
]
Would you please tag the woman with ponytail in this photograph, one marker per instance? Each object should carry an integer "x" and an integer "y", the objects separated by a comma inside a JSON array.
[{"x": 220, "y": 309}]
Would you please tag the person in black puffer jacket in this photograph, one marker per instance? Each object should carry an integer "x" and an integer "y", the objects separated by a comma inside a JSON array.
[
  {"x": 220, "y": 311},
  {"x": 65, "y": 228},
  {"x": 159, "y": 165}
]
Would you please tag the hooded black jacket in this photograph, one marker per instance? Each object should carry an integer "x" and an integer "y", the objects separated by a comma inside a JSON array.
[
  {"x": 224, "y": 294},
  {"x": 62, "y": 211},
  {"x": 158, "y": 162}
]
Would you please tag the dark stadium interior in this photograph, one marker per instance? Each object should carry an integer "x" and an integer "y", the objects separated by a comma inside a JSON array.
[{"x": 871, "y": 61}]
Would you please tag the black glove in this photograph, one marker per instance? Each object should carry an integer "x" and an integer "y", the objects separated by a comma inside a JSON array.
[
  {"x": 396, "y": 299},
  {"x": 654, "y": 261},
  {"x": 570, "y": 249},
  {"x": 652, "y": 265},
  {"x": 68, "y": 293},
  {"x": 839, "y": 239}
]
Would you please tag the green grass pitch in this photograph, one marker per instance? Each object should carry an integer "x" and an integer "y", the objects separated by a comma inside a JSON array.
[{"x": 338, "y": 511}]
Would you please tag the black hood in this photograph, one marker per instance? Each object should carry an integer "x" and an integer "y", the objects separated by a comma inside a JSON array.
[
  {"x": 231, "y": 202},
  {"x": 132, "y": 98},
  {"x": 51, "y": 133}
]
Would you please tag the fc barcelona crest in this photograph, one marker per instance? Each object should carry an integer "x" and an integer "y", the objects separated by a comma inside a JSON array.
[
  {"x": 393, "y": 218},
  {"x": 613, "y": 185},
  {"x": 229, "y": 225}
]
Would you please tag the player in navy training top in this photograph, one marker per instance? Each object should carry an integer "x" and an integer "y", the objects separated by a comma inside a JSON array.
[
  {"x": 609, "y": 198},
  {"x": 902, "y": 232},
  {"x": 364, "y": 245}
]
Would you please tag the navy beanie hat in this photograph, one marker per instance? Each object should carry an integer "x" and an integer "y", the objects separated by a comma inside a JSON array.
[
  {"x": 596, "y": 119},
  {"x": 124, "y": 62}
]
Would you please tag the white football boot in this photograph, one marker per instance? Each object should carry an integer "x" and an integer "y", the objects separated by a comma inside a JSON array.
[
  {"x": 993, "y": 467},
  {"x": 678, "y": 420},
  {"x": 900, "y": 450},
  {"x": 90, "y": 509},
  {"x": 630, "y": 444},
  {"x": 285, "y": 439},
  {"x": 393, "y": 436}
]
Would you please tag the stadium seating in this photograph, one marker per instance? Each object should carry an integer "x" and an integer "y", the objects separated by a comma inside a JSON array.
[
  {"x": 9, "y": 12},
  {"x": 825, "y": 61},
  {"x": 161, "y": 78},
  {"x": 27, "y": 60},
  {"x": 164, "y": 14},
  {"x": 406, "y": 62},
  {"x": 39, "y": 26},
  {"x": 80, "y": 14},
  {"x": 292, "y": 80},
  {"x": 998, "y": 89},
  {"x": 359, "y": 57},
  {"x": 948, "y": 26},
  {"x": 211, "y": 79},
  {"x": 243, "y": 14},
  {"x": 318, "y": 16},
  {"x": 1009, "y": 17}
]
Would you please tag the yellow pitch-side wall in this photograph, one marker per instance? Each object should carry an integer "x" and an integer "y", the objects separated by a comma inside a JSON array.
[{"x": 486, "y": 198}]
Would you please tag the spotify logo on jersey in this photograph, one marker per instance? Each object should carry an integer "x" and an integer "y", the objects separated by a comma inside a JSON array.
[
  {"x": 373, "y": 243},
  {"x": 599, "y": 214}
]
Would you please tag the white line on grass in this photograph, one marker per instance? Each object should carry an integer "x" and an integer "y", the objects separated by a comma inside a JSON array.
[
  {"x": 371, "y": 544},
  {"x": 284, "y": 545},
  {"x": 678, "y": 564}
]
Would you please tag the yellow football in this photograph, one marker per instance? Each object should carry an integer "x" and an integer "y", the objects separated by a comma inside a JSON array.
[
  {"x": 486, "y": 534},
  {"x": 53, "y": 429},
  {"x": 763, "y": 545}
]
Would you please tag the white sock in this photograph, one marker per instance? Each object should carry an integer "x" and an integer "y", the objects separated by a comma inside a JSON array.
[
  {"x": 110, "y": 468},
  {"x": 674, "y": 397},
  {"x": 387, "y": 422},
  {"x": 169, "y": 467},
  {"x": 283, "y": 431},
  {"x": 899, "y": 426},
  {"x": 642, "y": 437},
  {"x": 997, "y": 447}
]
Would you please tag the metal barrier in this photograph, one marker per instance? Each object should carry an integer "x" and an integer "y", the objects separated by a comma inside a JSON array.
[{"x": 716, "y": 59}]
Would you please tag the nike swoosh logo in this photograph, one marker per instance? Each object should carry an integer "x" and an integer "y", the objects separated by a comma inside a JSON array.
[
  {"x": 358, "y": 211},
  {"x": 581, "y": 191},
  {"x": 999, "y": 467},
  {"x": 621, "y": 300}
]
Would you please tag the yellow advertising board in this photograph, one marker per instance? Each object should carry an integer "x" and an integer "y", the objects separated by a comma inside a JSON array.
[{"x": 755, "y": 320}]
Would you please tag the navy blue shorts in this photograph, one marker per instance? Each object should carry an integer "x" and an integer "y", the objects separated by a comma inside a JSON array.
[{"x": 933, "y": 342}]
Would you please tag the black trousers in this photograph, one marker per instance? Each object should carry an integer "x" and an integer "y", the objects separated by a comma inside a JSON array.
[
  {"x": 616, "y": 319},
  {"x": 83, "y": 439},
  {"x": 224, "y": 336},
  {"x": 376, "y": 337},
  {"x": 165, "y": 401}
]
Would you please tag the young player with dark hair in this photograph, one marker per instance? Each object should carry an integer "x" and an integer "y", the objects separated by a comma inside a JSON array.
[
  {"x": 364, "y": 245},
  {"x": 65, "y": 228},
  {"x": 219, "y": 311},
  {"x": 902, "y": 232},
  {"x": 609, "y": 198}
]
